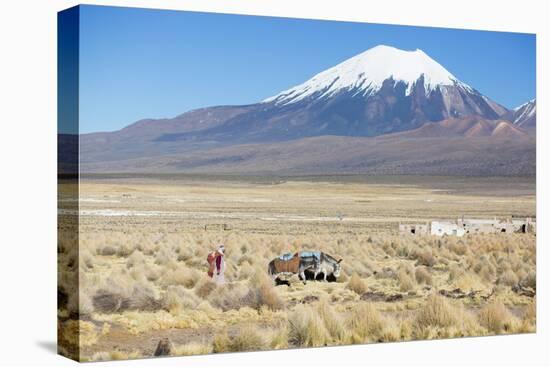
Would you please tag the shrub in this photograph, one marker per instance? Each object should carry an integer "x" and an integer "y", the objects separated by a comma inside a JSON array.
[{"x": 357, "y": 284}]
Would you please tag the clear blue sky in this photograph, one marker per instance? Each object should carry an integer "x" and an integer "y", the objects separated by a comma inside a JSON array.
[{"x": 142, "y": 63}]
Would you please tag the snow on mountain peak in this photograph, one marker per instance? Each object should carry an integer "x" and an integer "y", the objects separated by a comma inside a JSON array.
[
  {"x": 531, "y": 102},
  {"x": 525, "y": 112},
  {"x": 365, "y": 73}
]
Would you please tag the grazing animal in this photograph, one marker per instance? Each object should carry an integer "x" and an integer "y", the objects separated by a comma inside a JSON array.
[
  {"x": 309, "y": 260},
  {"x": 328, "y": 266},
  {"x": 284, "y": 264},
  {"x": 313, "y": 261}
]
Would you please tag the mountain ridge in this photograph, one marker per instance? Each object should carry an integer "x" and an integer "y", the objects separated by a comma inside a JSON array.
[{"x": 423, "y": 100}]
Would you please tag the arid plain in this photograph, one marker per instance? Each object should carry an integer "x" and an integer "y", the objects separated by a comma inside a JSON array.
[{"x": 144, "y": 243}]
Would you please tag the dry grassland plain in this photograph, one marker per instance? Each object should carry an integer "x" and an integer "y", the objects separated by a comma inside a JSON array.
[{"x": 143, "y": 243}]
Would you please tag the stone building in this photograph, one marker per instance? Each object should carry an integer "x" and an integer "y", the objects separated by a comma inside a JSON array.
[
  {"x": 463, "y": 226},
  {"x": 414, "y": 229}
]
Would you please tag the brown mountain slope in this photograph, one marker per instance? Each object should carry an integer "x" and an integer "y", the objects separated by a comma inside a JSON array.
[
  {"x": 389, "y": 154},
  {"x": 140, "y": 138},
  {"x": 472, "y": 126}
]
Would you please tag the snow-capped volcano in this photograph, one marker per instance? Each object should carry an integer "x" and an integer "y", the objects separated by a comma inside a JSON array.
[
  {"x": 366, "y": 73},
  {"x": 380, "y": 91},
  {"x": 526, "y": 114},
  {"x": 384, "y": 111}
]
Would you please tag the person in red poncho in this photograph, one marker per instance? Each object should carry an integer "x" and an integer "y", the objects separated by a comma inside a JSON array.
[{"x": 216, "y": 263}]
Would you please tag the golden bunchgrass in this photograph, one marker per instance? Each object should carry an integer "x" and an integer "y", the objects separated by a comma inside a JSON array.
[{"x": 140, "y": 278}]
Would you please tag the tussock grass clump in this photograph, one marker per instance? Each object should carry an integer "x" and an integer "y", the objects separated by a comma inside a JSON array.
[
  {"x": 391, "y": 331},
  {"x": 406, "y": 281},
  {"x": 438, "y": 312},
  {"x": 176, "y": 299},
  {"x": 357, "y": 284},
  {"x": 496, "y": 318},
  {"x": 469, "y": 282},
  {"x": 306, "y": 328},
  {"x": 85, "y": 306},
  {"x": 423, "y": 257},
  {"x": 164, "y": 255},
  {"x": 529, "y": 320},
  {"x": 530, "y": 280},
  {"x": 333, "y": 322},
  {"x": 246, "y": 340},
  {"x": 263, "y": 293},
  {"x": 78, "y": 332},
  {"x": 191, "y": 349},
  {"x": 205, "y": 287},
  {"x": 485, "y": 268},
  {"x": 120, "y": 292},
  {"x": 423, "y": 276},
  {"x": 268, "y": 296},
  {"x": 366, "y": 323},
  {"x": 221, "y": 343},
  {"x": 459, "y": 248},
  {"x": 108, "y": 250},
  {"x": 508, "y": 278},
  {"x": 233, "y": 296},
  {"x": 124, "y": 250},
  {"x": 86, "y": 259},
  {"x": 135, "y": 259},
  {"x": 145, "y": 297},
  {"x": 115, "y": 355},
  {"x": 278, "y": 339},
  {"x": 184, "y": 276}
]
